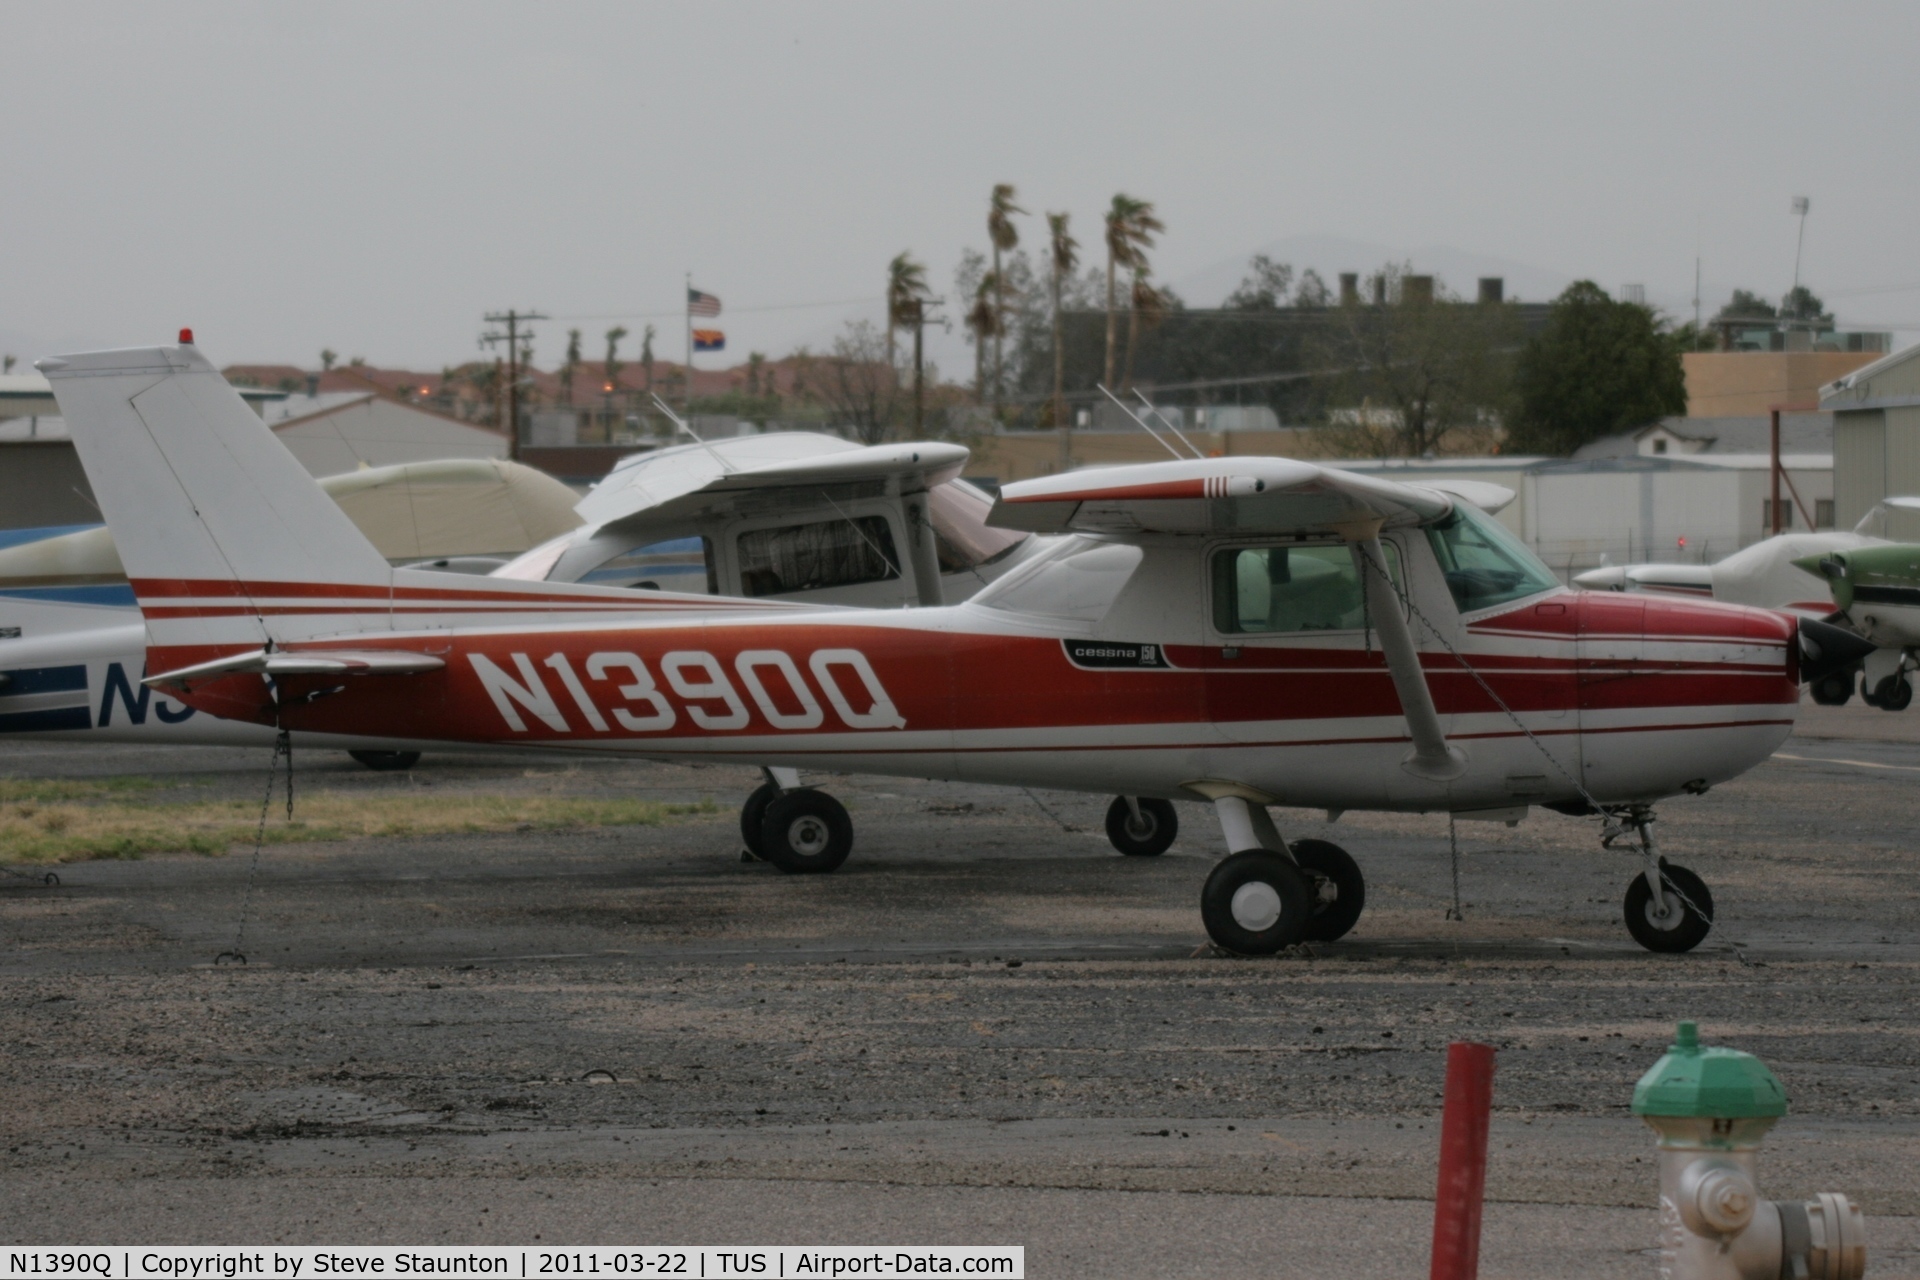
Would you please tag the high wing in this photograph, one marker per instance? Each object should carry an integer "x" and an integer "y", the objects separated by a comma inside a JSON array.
[
  {"x": 1224, "y": 495},
  {"x": 670, "y": 481},
  {"x": 1267, "y": 496}
]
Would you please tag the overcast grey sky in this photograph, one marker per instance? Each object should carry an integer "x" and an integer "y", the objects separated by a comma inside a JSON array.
[{"x": 374, "y": 177}]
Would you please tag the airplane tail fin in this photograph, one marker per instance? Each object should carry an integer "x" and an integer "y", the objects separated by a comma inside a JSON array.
[{"x": 221, "y": 530}]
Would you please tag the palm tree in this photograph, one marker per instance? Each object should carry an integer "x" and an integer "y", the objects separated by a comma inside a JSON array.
[
  {"x": 573, "y": 362},
  {"x": 906, "y": 290},
  {"x": 906, "y": 309},
  {"x": 1148, "y": 307},
  {"x": 1066, "y": 260},
  {"x": 1005, "y": 236},
  {"x": 984, "y": 321},
  {"x": 1130, "y": 231}
]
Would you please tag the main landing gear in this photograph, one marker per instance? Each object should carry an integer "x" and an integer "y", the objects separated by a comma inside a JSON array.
[
  {"x": 796, "y": 828},
  {"x": 1270, "y": 895},
  {"x": 1677, "y": 915}
]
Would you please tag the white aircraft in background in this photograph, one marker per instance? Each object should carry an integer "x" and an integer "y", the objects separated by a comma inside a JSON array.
[
  {"x": 73, "y": 643},
  {"x": 1246, "y": 631},
  {"x": 1765, "y": 576}
]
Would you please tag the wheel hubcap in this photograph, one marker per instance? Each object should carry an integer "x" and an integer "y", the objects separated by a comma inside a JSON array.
[
  {"x": 1667, "y": 919},
  {"x": 808, "y": 837},
  {"x": 1141, "y": 828},
  {"x": 1256, "y": 906}
]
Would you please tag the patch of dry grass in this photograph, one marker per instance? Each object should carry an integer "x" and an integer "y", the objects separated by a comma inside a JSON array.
[{"x": 71, "y": 820}]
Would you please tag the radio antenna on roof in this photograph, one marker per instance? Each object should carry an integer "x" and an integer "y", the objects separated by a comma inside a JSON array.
[
  {"x": 1167, "y": 423},
  {"x": 1178, "y": 456},
  {"x": 681, "y": 423}
]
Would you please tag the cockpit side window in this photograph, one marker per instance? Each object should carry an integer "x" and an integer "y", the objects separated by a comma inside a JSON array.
[
  {"x": 1483, "y": 563},
  {"x": 1291, "y": 587}
]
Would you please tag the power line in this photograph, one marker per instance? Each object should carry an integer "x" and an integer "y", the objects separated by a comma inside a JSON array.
[{"x": 675, "y": 315}]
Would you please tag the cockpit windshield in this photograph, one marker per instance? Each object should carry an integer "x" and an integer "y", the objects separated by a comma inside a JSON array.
[{"x": 1484, "y": 564}]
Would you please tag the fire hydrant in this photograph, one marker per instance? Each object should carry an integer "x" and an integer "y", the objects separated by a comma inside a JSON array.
[{"x": 1711, "y": 1107}]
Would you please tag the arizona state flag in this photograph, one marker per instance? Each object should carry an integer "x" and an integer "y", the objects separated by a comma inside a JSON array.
[{"x": 709, "y": 340}]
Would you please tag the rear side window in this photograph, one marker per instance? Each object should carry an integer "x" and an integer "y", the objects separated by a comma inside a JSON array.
[
  {"x": 1291, "y": 588},
  {"x": 811, "y": 557},
  {"x": 1483, "y": 563},
  {"x": 678, "y": 564}
]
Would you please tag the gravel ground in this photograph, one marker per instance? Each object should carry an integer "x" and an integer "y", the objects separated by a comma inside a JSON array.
[{"x": 986, "y": 1027}]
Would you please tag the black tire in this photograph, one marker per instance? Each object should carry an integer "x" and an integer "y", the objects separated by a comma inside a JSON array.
[
  {"x": 1687, "y": 928},
  {"x": 1340, "y": 891},
  {"x": 806, "y": 831},
  {"x": 1835, "y": 690},
  {"x": 1149, "y": 835},
  {"x": 386, "y": 761},
  {"x": 753, "y": 814},
  {"x": 1257, "y": 902},
  {"x": 1894, "y": 693}
]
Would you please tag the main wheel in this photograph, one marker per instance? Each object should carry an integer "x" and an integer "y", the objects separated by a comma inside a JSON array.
[
  {"x": 1893, "y": 693},
  {"x": 806, "y": 831},
  {"x": 1147, "y": 836},
  {"x": 753, "y": 814},
  {"x": 1340, "y": 891},
  {"x": 386, "y": 761},
  {"x": 1689, "y": 911},
  {"x": 1257, "y": 902},
  {"x": 1834, "y": 690}
]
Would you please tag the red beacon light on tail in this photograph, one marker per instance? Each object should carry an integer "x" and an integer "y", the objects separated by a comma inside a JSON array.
[{"x": 186, "y": 337}]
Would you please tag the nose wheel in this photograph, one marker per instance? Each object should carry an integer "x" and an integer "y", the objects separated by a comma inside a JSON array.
[
  {"x": 1140, "y": 827},
  {"x": 1668, "y": 908}
]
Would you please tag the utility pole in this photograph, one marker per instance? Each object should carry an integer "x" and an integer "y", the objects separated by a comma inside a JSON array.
[
  {"x": 512, "y": 337},
  {"x": 1800, "y": 206},
  {"x": 920, "y": 319}
]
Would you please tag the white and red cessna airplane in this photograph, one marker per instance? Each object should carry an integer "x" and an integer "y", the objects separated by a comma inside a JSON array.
[{"x": 1252, "y": 632}]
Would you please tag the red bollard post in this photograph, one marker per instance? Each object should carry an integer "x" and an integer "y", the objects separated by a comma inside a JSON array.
[{"x": 1463, "y": 1161}]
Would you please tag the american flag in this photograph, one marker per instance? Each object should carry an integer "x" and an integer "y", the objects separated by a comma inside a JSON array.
[{"x": 702, "y": 304}]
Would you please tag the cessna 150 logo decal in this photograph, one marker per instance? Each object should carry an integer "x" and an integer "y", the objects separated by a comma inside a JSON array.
[{"x": 706, "y": 692}]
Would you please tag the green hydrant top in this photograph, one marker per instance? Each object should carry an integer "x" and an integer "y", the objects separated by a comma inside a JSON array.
[{"x": 1708, "y": 1083}]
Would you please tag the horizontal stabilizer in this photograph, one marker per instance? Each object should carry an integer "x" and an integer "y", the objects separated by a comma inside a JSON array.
[{"x": 303, "y": 662}]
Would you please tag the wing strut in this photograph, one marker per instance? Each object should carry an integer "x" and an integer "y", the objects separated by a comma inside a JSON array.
[{"x": 1433, "y": 757}]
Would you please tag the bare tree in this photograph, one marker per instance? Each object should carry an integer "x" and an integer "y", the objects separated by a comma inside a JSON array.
[
  {"x": 1428, "y": 372},
  {"x": 857, "y": 383}
]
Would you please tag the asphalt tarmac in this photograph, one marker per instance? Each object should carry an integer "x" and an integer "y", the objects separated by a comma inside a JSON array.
[{"x": 986, "y": 1028}]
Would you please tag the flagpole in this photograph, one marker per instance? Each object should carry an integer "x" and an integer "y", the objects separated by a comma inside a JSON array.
[{"x": 687, "y": 405}]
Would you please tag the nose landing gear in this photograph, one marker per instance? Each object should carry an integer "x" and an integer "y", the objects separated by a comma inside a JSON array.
[
  {"x": 1141, "y": 827},
  {"x": 1668, "y": 908}
]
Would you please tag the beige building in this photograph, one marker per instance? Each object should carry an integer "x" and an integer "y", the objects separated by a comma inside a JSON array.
[
  {"x": 1742, "y": 384},
  {"x": 1876, "y": 439}
]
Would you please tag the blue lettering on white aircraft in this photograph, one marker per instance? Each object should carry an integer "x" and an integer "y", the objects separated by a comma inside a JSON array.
[{"x": 136, "y": 705}]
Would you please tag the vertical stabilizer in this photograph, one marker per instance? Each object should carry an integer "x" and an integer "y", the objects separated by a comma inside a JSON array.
[{"x": 219, "y": 526}]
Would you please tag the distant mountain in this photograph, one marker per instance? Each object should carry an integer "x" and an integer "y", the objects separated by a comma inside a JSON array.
[{"x": 1458, "y": 269}]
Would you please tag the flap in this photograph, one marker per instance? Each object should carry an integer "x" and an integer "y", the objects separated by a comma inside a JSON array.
[{"x": 1218, "y": 495}]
